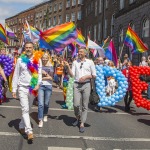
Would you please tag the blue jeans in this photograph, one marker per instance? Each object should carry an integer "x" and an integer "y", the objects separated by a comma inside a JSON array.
[{"x": 44, "y": 94}]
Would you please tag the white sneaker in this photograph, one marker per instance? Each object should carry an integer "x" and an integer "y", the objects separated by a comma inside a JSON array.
[
  {"x": 45, "y": 119},
  {"x": 40, "y": 123}
]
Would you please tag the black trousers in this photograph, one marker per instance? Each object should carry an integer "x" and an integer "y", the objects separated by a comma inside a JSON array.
[{"x": 128, "y": 98}]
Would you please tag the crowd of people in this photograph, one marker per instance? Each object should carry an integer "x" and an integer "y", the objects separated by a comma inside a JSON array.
[{"x": 34, "y": 77}]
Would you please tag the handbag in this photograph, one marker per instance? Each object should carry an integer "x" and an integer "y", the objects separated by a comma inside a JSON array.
[{"x": 94, "y": 98}]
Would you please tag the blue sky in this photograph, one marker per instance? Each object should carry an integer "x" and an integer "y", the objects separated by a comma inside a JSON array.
[{"x": 9, "y": 8}]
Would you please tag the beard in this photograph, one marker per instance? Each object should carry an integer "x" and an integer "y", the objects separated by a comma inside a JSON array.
[{"x": 28, "y": 53}]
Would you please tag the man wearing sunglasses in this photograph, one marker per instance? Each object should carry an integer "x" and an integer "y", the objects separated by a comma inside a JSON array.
[{"x": 82, "y": 70}]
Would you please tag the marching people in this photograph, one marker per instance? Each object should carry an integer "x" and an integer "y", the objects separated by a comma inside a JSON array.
[
  {"x": 45, "y": 89},
  {"x": 26, "y": 80},
  {"x": 83, "y": 70},
  {"x": 128, "y": 97}
]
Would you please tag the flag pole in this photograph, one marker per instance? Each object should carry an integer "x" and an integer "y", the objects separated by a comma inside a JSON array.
[{"x": 121, "y": 51}]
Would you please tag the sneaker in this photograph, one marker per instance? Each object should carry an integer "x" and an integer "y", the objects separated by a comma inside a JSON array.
[
  {"x": 75, "y": 123},
  {"x": 30, "y": 136},
  {"x": 40, "y": 123},
  {"x": 45, "y": 119},
  {"x": 82, "y": 129}
]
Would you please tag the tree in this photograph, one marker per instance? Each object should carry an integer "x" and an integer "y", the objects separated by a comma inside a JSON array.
[{"x": 1, "y": 44}]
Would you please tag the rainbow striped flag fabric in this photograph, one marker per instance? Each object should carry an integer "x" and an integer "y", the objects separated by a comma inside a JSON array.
[
  {"x": 59, "y": 37},
  {"x": 3, "y": 35},
  {"x": 80, "y": 39},
  {"x": 134, "y": 42}
]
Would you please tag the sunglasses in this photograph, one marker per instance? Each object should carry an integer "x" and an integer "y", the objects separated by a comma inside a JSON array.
[{"x": 81, "y": 65}]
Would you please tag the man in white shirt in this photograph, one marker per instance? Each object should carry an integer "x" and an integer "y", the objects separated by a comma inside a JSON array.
[
  {"x": 21, "y": 82},
  {"x": 82, "y": 70}
]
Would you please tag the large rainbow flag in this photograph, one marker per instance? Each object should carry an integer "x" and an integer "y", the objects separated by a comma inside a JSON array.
[
  {"x": 3, "y": 36},
  {"x": 80, "y": 39},
  {"x": 134, "y": 42},
  {"x": 59, "y": 37}
]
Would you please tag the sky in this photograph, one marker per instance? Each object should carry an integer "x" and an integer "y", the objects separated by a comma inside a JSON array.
[{"x": 10, "y": 8}]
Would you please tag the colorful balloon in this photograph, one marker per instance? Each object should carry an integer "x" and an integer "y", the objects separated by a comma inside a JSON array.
[{"x": 107, "y": 71}]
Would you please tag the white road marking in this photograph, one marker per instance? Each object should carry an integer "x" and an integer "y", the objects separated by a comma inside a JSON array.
[
  {"x": 58, "y": 109},
  {"x": 83, "y": 137},
  {"x": 63, "y": 148}
]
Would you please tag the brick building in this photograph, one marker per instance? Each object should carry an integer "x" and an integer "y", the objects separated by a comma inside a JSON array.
[
  {"x": 102, "y": 18},
  {"x": 99, "y": 19},
  {"x": 45, "y": 15},
  {"x": 137, "y": 13}
]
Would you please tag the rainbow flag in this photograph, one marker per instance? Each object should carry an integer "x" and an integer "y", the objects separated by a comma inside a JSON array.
[
  {"x": 59, "y": 37},
  {"x": 80, "y": 39},
  {"x": 134, "y": 42},
  {"x": 3, "y": 36}
]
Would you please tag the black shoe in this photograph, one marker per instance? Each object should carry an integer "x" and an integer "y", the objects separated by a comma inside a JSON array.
[
  {"x": 96, "y": 109},
  {"x": 75, "y": 123},
  {"x": 82, "y": 129}
]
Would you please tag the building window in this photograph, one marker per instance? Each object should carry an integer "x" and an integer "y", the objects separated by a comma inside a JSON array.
[
  {"x": 112, "y": 24},
  {"x": 80, "y": 1},
  {"x": 95, "y": 31},
  {"x": 60, "y": 6},
  {"x": 73, "y": 16},
  {"x": 54, "y": 21},
  {"x": 60, "y": 19},
  {"x": 50, "y": 9},
  {"x": 131, "y": 1},
  {"x": 96, "y": 8},
  {"x": 120, "y": 40},
  {"x": 50, "y": 22},
  {"x": 145, "y": 30},
  {"x": 121, "y": 4},
  {"x": 79, "y": 15},
  {"x": 92, "y": 6},
  {"x": 55, "y": 7},
  {"x": 106, "y": 4},
  {"x": 73, "y": 2},
  {"x": 67, "y": 18},
  {"x": 132, "y": 26},
  {"x": 99, "y": 31},
  {"x": 100, "y": 6},
  {"x": 68, "y": 3},
  {"x": 105, "y": 29}
]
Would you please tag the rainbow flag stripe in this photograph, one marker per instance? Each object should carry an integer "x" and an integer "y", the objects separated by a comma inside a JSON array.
[
  {"x": 134, "y": 42},
  {"x": 3, "y": 36},
  {"x": 60, "y": 36},
  {"x": 34, "y": 30},
  {"x": 80, "y": 39}
]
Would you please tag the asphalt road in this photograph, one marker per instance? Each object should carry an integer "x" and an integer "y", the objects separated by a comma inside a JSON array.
[{"x": 110, "y": 129}]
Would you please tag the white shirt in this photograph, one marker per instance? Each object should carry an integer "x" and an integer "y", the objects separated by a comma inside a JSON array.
[
  {"x": 83, "y": 68},
  {"x": 22, "y": 75},
  {"x": 50, "y": 71}
]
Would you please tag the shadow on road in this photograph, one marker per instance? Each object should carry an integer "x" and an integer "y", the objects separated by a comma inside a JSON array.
[
  {"x": 15, "y": 124},
  {"x": 60, "y": 102},
  {"x": 2, "y": 116},
  {"x": 146, "y": 122},
  {"x": 34, "y": 116}
]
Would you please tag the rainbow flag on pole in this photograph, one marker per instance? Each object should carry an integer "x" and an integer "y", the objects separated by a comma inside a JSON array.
[
  {"x": 134, "y": 42},
  {"x": 59, "y": 37},
  {"x": 80, "y": 39},
  {"x": 3, "y": 36}
]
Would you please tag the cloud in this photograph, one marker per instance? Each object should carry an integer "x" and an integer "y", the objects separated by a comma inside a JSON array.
[
  {"x": 7, "y": 11},
  {"x": 23, "y": 1}
]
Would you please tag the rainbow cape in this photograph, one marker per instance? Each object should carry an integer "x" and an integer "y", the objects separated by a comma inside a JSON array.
[
  {"x": 59, "y": 37},
  {"x": 134, "y": 42},
  {"x": 80, "y": 39},
  {"x": 3, "y": 36}
]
